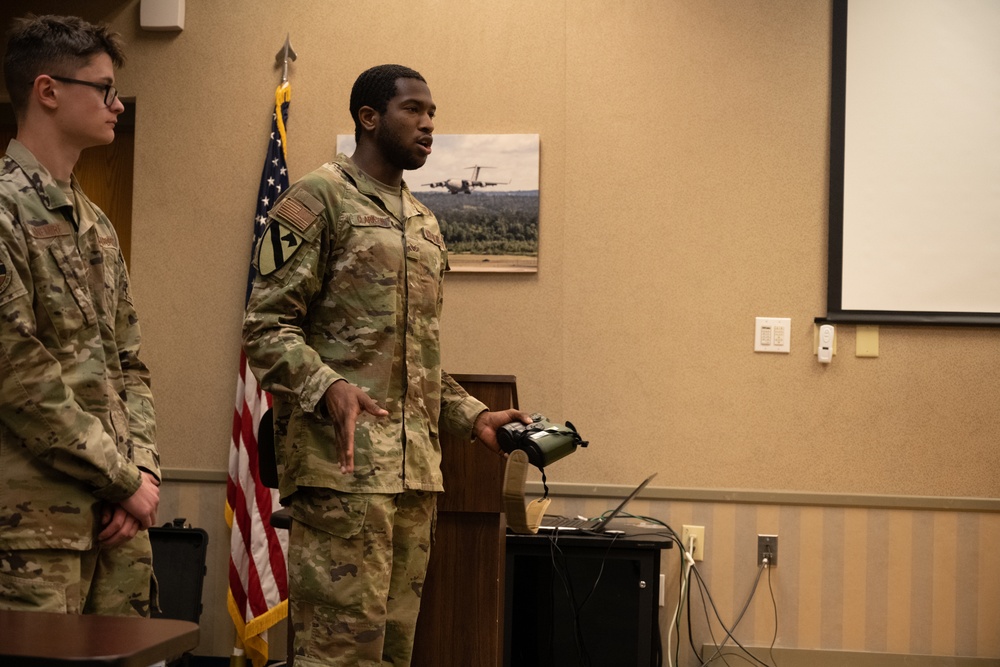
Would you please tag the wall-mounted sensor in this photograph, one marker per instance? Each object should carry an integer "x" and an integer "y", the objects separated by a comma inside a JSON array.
[
  {"x": 824, "y": 353},
  {"x": 161, "y": 15}
]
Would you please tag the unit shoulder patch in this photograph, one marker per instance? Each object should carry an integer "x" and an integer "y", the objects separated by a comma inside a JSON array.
[
  {"x": 277, "y": 245},
  {"x": 11, "y": 286}
]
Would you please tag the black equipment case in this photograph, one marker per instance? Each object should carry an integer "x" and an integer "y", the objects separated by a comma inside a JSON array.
[{"x": 179, "y": 553}]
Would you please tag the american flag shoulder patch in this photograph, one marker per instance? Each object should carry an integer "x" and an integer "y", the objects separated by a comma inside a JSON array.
[{"x": 299, "y": 209}]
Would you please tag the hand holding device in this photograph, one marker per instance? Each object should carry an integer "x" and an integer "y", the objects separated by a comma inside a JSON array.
[{"x": 542, "y": 441}]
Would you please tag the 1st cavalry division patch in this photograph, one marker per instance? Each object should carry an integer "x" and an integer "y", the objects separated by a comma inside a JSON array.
[
  {"x": 277, "y": 245},
  {"x": 290, "y": 221}
]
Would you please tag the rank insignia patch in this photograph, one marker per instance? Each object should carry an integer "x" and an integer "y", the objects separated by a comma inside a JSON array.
[{"x": 277, "y": 245}]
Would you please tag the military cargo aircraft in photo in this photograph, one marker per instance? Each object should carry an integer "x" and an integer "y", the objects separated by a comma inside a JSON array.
[
  {"x": 494, "y": 227},
  {"x": 465, "y": 185}
]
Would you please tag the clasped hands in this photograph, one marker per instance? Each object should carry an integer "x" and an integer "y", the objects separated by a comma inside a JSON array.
[{"x": 121, "y": 521}]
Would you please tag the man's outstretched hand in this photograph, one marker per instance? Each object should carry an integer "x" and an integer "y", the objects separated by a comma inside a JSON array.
[{"x": 344, "y": 402}]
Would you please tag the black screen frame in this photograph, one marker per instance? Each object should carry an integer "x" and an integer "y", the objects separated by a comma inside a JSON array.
[{"x": 836, "y": 313}]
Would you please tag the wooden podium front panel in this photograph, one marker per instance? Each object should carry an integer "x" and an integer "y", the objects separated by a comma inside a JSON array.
[
  {"x": 461, "y": 611},
  {"x": 473, "y": 475}
]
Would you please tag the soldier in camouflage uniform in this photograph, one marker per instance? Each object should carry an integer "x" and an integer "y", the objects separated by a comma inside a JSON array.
[
  {"x": 342, "y": 328},
  {"x": 78, "y": 462}
]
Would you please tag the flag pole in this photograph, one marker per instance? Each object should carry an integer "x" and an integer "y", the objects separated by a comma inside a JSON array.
[
  {"x": 282, "y": 56},
  {"x": 238, "y": 657},
  {"x": 258, "y": 591}
]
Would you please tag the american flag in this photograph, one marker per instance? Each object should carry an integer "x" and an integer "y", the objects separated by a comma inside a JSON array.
[{"x": 258, "y": 578}]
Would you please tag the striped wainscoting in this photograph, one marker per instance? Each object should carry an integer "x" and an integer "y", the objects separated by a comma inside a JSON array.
[
  {"x": 199, "y": 497},
  {"x": 912, "y": 580},
  {"x": 860, "y": 580}
]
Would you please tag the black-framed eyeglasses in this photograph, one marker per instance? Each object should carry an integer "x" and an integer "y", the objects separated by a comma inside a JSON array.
[{"x": 110, "y": 92}]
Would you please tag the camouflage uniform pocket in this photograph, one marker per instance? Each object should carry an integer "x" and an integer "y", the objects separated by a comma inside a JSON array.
[
  {"x": 339, "y": 514},
  {"x": 122, "y": 583},
  {"x": 328, "y": 546},
  {"x": 63, "y": 292},
  {"x": 30, "y": 593},
  {"x": 434, "y": 257},
  {"x": 338, "y": 581}
]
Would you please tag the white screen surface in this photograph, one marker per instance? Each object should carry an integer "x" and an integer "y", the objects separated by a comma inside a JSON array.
[{"x": 921, "y": 197}]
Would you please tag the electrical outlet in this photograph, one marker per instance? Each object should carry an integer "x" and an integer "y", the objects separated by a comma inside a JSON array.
[
  {"x": 767, "y": 547},
  {"x": 698, "y": 533}
]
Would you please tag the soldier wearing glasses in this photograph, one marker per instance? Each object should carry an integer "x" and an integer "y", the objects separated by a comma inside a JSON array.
[{"x": 79, "y": 469}]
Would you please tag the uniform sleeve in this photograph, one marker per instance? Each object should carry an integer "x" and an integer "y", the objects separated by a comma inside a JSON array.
[
  {"x": 459, "y": 410},
  {"x": 138, "y": 387},
  {"x": 35, "y": 404},
  {"x": 273, "y": 336}
]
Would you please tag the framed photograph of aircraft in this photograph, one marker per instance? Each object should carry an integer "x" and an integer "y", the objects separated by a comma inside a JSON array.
[{"x": 483, "y": 188}]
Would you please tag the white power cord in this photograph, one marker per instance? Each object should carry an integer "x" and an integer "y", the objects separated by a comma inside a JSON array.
[{"x": 686, "y": 565}]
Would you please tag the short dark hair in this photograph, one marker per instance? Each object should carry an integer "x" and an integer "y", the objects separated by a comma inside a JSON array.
[
  {"x": 375, "y": 87},
  {"x": 57, "y": 45}
]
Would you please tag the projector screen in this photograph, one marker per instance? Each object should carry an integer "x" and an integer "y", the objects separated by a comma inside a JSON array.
[{"x": 915, "y": 162}]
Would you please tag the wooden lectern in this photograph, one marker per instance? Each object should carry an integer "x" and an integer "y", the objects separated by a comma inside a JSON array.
[{"x": 461, "y": 611}]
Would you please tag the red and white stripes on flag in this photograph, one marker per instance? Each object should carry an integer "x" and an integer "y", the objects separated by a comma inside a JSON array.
[{"x": 258, "y": 577}]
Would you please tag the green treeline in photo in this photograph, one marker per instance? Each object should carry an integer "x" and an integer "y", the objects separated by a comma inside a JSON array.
[{"x": 498, "y": 223}]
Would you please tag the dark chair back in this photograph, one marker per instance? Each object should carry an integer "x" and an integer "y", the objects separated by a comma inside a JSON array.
[
  {"x": 267, "y": 466},
  {"x": 267, "y": 463}
]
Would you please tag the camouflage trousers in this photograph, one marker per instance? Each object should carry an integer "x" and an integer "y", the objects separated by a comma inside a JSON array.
[
  {"x": 112, "y": 582},
  {"x": 357, "y": 564}
]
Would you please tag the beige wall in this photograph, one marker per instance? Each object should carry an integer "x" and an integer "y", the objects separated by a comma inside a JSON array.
[
  {"x": 684, "y": 151},
  {"x": 683, "y": 173}
]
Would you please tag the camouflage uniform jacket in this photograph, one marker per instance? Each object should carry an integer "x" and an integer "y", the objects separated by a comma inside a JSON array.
[
  {"x": 76, "y": 412},
  {"x": 358, "y": 298}
]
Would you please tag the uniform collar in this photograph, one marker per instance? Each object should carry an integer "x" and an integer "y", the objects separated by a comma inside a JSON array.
[
  {"x": 49, "y": 192},
  {"x": 364, "y": 184}
]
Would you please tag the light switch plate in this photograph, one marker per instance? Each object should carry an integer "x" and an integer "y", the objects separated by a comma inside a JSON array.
[{"x": 773, "y": 334}]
